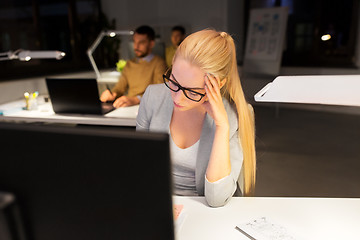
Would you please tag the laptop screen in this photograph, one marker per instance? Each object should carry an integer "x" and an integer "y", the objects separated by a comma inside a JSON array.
[{"x": 75, "y": 95}]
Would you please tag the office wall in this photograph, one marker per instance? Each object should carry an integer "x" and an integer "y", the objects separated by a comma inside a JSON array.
[
  {"x": 236, "y": 25},
  {"x": 14, "y": 90},
  {"x": 159, "y": 13},
  {"x": 224, "y": 15}
]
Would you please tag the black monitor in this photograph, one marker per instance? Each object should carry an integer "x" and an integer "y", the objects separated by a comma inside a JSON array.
[{"x": 85, "y": 183}]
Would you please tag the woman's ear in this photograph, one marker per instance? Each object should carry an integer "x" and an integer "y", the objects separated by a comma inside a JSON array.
[{"x": 222, "y": 83}]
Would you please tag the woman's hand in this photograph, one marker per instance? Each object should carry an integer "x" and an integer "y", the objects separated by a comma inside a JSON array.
[{"x": 214, "y": 104}]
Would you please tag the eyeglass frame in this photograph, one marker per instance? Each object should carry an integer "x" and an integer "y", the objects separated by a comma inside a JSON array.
[{"x": 166, "y": 78}]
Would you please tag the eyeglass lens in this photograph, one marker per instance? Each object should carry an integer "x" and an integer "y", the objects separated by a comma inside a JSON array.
[{"x": 174, "y": 86}]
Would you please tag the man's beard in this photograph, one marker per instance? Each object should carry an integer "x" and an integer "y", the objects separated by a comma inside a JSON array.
[{"x": 142, "y": 54}]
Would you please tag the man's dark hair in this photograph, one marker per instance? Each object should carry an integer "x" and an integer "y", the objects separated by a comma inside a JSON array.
[
  {"x": 179, "y": 28},
  {"x": 147, "y": 30}
]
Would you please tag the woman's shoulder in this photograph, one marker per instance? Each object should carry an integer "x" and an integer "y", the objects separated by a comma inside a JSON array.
[
  {"x": 157, "y": 90},
  {"x": 155, "y": 94},
  {"x": 155, "y": 103}
]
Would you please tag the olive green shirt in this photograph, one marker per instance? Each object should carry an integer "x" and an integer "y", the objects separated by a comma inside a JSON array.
[
  {"x": 169, "y": 54},
  {"x": 138, "y": 74}
]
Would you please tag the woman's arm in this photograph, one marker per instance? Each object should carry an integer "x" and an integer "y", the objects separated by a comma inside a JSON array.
[
  {"x": 218, "y": 193},
  {"x": 142, "y": 119},
  {"x": 226, "y": 156},
  {"x": 219, "y": 165}
]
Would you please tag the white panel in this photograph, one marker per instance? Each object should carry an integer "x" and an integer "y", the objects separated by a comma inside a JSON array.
[{"x": 322, "y": 89}]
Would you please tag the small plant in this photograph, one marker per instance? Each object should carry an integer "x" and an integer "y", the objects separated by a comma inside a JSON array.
[{"x": 120, "y": 65}]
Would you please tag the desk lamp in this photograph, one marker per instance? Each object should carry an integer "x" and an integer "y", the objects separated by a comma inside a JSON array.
[
  {"x": 26, "y": 55},
  {"x": 90, "y": 51}
]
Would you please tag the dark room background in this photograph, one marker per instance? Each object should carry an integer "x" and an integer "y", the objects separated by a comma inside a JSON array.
[{"x": 73, "y": 25}]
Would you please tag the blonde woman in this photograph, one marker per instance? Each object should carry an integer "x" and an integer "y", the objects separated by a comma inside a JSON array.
[{"x": 211, "y": 126}]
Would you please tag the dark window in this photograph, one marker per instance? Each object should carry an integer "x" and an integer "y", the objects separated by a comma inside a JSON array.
[
  {"x": 321, "y": 33},
  {"x": 65, "y": 25},
  {"x": 308, "y": 22}
]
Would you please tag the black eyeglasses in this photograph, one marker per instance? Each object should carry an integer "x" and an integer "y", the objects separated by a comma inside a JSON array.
[{"x": 173, "y": 85}]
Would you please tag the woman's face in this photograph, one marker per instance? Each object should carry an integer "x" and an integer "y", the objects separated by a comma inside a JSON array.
[{"x": 190, "y": 77}]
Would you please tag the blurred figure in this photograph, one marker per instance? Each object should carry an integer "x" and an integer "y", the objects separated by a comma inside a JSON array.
[
  {"x": 177, "y": 36},
  {"x": 146, "y": 68}
]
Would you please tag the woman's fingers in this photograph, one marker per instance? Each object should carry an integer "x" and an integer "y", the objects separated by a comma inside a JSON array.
[
  {"x": 212, "y": 86},
  {"x": 214, "y": 82},
  {"x": 215, "y": 106}
]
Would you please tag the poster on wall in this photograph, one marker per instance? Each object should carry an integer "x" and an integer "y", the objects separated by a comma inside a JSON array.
[{"x": 265, "y": 38}]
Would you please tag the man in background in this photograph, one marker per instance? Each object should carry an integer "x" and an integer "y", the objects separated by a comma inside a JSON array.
[
  {"x": 146, "y": 68},
  {"x": 177, "y": 36}
]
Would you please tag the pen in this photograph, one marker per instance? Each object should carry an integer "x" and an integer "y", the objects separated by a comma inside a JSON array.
[
  {"x": 35, "y": 94},
  {"x": 26, "y": 95},
  {"x": 245, "y": 233},
  {"x": 108, "y": 88}
]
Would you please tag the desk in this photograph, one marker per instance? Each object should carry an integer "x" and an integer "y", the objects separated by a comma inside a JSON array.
[
  {"x": 321, "y": 89},
  {"x": 304, "y": 218},
  {"x": 119, "y": 117}
]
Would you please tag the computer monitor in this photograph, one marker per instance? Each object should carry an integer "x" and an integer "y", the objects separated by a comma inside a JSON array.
[{"x": 88, "y": 183}]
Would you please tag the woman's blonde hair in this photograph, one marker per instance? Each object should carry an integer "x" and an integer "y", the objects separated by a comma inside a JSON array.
[{"x": 214, "y": 52}]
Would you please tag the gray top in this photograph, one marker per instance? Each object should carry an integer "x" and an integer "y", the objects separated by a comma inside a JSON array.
[
  {"x": 183, "y": 168},
  {"x": 155, "y": 113}
]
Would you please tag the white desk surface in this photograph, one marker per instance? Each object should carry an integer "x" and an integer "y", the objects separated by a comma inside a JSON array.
[
  {"x": 315, "y": 89},
  {"x": 303, "y": 218},
  {"x": 44, "y": 113}
]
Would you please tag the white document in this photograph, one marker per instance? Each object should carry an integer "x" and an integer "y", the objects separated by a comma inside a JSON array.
[
  {"x": 124, "y": 112},
  {"x": 263, "y": 229}
]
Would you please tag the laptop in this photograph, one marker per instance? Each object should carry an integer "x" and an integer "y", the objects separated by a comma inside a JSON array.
[{"x": 76, "y": 95}]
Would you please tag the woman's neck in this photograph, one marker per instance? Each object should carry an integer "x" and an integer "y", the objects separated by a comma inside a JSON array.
[{"x": 186, "y": 126}]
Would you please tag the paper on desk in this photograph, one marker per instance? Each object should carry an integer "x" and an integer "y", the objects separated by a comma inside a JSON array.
[
  {"x": 265, "y": 229},
  {"x": 124, "y": 112}
]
